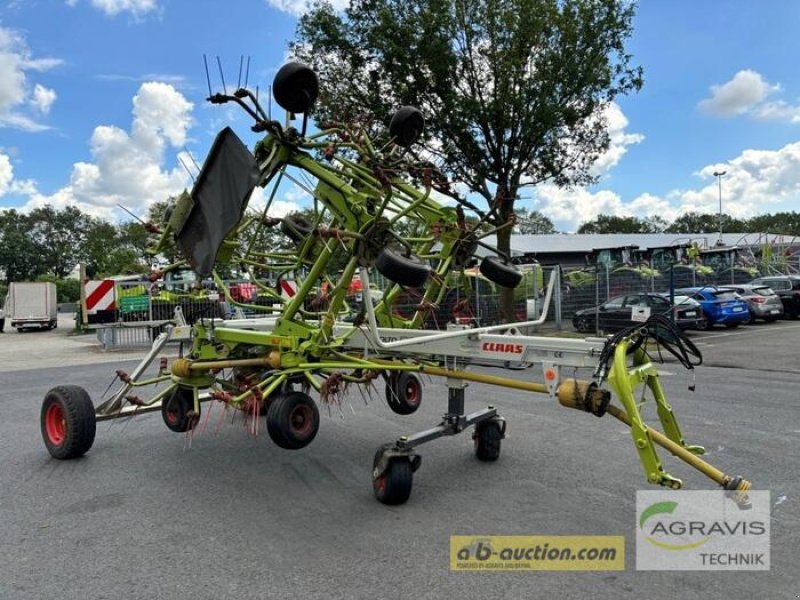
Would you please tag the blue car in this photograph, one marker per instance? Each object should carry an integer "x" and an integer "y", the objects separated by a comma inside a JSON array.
[{"x": 719, "y": 305}]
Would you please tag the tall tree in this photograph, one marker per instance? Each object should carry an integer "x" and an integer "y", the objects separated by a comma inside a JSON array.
[
  {"x": 60, "y": 234},
  {"x": 693, "y": 222},
  {"x": 615, "y": 224},
  {"x": 21, "y": 257},
  {"x": 514, "y": 90},
  {"x": 532, "y": 222}
]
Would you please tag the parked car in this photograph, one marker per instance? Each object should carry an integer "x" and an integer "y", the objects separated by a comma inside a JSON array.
[
  {"x": 689, "y": 305},
  {"x": 788, "y": 289},
  {"x": 719, "y": 306},
  {"x": 630, "y": 309},
  {"x": 762, "y": 301}
]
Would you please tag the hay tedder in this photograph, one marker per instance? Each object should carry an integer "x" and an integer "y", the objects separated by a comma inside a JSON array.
[{"x": 363, "y": 193}]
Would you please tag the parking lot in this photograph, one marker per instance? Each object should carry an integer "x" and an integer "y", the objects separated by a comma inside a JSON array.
[{"x": 148, "y": 513}]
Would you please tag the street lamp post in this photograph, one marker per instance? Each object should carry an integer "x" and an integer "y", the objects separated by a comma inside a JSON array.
[{"x": 718, "y": 175}]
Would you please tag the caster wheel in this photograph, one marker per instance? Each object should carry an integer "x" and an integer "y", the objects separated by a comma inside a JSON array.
[
  {"x": 292, "y": 420},
  {"x": 178, "y": 410},
  {"x": 406, "y": 126},
  {"x": 408, "y": 271},
  {"x": 393, "y": 485},
  {"x": 504, "y": 275},
  {"x": 295, "y": 87},
  {"x": 68, "y": 422},
  {"x": 403, "y": 392},
  {"x": 488, "y": 437}
]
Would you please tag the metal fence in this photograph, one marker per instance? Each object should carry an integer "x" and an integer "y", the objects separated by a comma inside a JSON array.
[{"x": 472, "y": 300}]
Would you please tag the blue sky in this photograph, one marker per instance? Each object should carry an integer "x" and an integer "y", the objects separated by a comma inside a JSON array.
[{"x": 98, "y": 98}]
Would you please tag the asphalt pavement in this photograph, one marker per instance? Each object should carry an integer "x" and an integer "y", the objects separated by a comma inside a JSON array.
[{"x": 149, "y": 514}]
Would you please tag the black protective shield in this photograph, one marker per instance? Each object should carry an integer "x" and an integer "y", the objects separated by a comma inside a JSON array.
[{"x": 220, "y": 196}]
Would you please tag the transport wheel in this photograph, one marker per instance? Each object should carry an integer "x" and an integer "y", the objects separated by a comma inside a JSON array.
[
  {"x": 295, "y": 87},
  {"x": 292, "y": 420},
  {"x": 68, "y": 422},
  {"x": 403, "y": 392},
  {"x": 406, "y": 126},
  {"x": 488, "y": 437},
  {"x": 408, "y": 271},
  {"x": 178, "y": 410},
  {"x": 504, "y": 275},
  {"x": 393, "y": 486}
]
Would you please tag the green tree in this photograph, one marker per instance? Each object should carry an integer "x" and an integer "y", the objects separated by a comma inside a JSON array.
[
  {"x": 513, "y": 90},
  {"x": 60, "y": 235},
  {"x": 532, "y": 222},
  {"x": 783, "y": 222},
  {"x": 21, "y": 257},
  {"x": 693, "y": 222},
  {"x": 615, "y": 224}
]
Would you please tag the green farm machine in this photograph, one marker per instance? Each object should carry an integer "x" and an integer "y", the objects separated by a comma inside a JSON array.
[{"x": 295, "y": 356}]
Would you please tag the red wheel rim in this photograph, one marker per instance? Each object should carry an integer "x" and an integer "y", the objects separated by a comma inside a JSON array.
[
  {"x": 55, "y": 424},
  {"x": 172, "y": 416},
  {"x": 301, "y": 421},
  {"x": 380, "y": 483},
  {"x": 412, "y": 393}
]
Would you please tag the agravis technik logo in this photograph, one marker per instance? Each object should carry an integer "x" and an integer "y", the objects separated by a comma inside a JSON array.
[{"x": 690, "y": 530}]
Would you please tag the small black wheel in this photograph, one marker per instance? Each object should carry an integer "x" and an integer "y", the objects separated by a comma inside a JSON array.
[
  {"x": 582, "y": 325},
  {"x": 703, "y": 325},
  {"x": 488, "y": 437},
  {"x": 68, "y": 422},
  {"x": 406, "y": 126},
  {"x": 295, "y": 87},
  {"x": 408, "y": 271},
  {"x": 178, "y": 410},
  {"x": 403, "y": 392},
  {"x": 504, "y": 275},
  {"x": 393, "y": 485},
  {"x": 296, "y": 227},
  {"x": 292, "y": 420}
]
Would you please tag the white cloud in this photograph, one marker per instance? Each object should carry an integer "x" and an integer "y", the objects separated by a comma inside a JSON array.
[
  {"x": 6, "y": 173},
  {"x": 43, "y": 98},
  {"x": 746, "y": 94},
  {"x": 777, "y": 111},
  {"x": 128, "y": 167},
  {"x": 299, "y": 7},
  {"x": 113, "y": 7},
  {"x": 616, "y": 123},
  {"x": 739, "y": 95},
  {"x": 756, "y": 182},
  {"x": 16, "y": 95}
]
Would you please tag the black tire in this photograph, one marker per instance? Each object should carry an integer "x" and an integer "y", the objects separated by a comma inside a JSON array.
[
  {"x": 393, "y": 486},
  {"x": 296, "y": 227},
  {"x": 582, "y": 325},
  {"x": 504, "y": 275},
  {"x": 295, "y": 87},
  {"x": 408, "y": 271},
  {"x": 68, "y": 422},
  {"x": 178, "y": 410},
  {"x": 406, "y": 126},
  {"x": 731, "y": 325},
  {"x": 403, "y": 392},
  {"x": 292, "y": 420},
  {"x": 703, "y": 325},
  {"x": 488, "y": 438}
]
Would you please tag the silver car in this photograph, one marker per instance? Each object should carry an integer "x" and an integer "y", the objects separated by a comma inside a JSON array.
[{"x": 761, "y": 300}]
